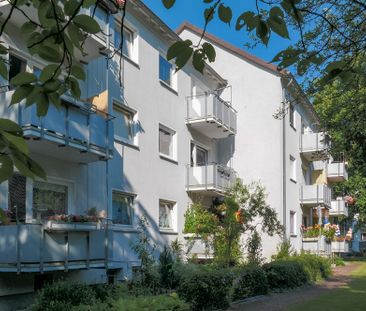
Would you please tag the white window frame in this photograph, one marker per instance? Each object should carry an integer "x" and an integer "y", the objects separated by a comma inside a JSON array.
[
  {"x": 200, "y": 146},
  {"x": 292, "y": 116},
  {"x": 132, "y": 196},
  {"x": 293, "y": 169},
  {"x": 134, "y": 42},
  {"x": 293, "y": 223},
  {"x": 173, "y": 215},
  {"x": 173, "y": 75},
  {"x": 134, "y": 117},
  {"x": 173, "y": 133}
]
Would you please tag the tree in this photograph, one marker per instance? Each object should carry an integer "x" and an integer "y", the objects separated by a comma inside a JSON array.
[
  {"x": 243, "y": 211},
  {"x": 342, "y": 109},
  {"x": 331, "y": 37}
]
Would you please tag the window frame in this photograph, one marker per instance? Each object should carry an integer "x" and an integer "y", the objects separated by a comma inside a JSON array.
[
  {"x": 293, "y": 169},
  {"x": 173, "y": 215},
  {"x": 131, "y": 196},
  {"x": 193, "y": 152},
  {"x": 134, "y": 40},
  {"x": 133, "y": 114},
  {"x": 174, "y": 156},
  {"x": 293, "y": 223},
  {"x": 292, "y": 116},
  {"x": 173, "y": 80}
]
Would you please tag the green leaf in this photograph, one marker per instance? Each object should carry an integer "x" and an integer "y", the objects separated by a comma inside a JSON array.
[
  {"x": 263, "y": 31},
  {"x": 74, "y": 88},
  {"x": 168, "y": 3},
  {"x": 183, "y": 57},
  {"x": 10, "y": 126},
  {"x": 28, "y": 27},
  {"x": 3, "y": 69},
  {"x": 209, "y": 14},
  {"x": 198, "y": 61},
  {"x": 87, "y": 23},
  {"x": 277, "y": 23},
  {"x": 6, "y": 167},
  {"x": 210, "y": 52},
  {"x": 3, "y": 49},
  {"x": 21, "y": 163},
  {"x": 177, "y": 48},
  {"x": 49, "y": 71},
  {"x": 88, "y": 3},
  {"x": 42, "y": 104},
  {"x": 52, "y": 86},
  {"x": 78, "y": 72},
  {"x": 49, "y": 53},
  {"x": 335, "y": 66},
  {"x": 20, "y": 93},
  {"x": 37, "y": 169},
  {"x": 287, "y": 57},
  {"x": 16, "y": 142},
  {"x": 247, "y": 18},
  {"x": 70, "y": 7},
  {"x": 225, "y": 14},
  {"x": 75, "y": 34},
  {"x": 23, "y": 78}
]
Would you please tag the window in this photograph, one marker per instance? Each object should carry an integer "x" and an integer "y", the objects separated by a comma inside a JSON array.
[
  {"x": 165, "y": 71},
  {"x": 293, "y": 223},
  {"x": 16, "y": 66},
  {"x": 167, "y": 142},
  {"x": 122, "y": 208},
  {"x": 292, "y": 168},
  {"x": 166, "y": 213},
  {"x": 199, "y": 155},
  {"x": 124, "y": 124},
  {"x": 128, "y": 41},
  {"x": 49, "y": 200},
  {"x": 292, "y": 115},
  {"x": 17, "y": 197}
]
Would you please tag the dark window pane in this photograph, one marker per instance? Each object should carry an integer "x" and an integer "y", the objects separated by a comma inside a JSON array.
[
  {"x": 16, "y": 66},
  {"x": 16, "y": 199}
]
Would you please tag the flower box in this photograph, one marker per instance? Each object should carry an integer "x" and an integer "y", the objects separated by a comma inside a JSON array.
[
  {"x": 86, "y": 226},
  {"x": 314, "y": 239},
  {"x": 340, "y": 246}
]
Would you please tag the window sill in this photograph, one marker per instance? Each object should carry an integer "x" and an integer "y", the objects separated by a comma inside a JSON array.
[
  {"x": 293, "y": 180},
  {"x": 126, "y": 143},
  {"x": 131, "y": 61},
  {"x": 167, "y": 158},
  {"x": 124, "y": 228},
  {"x": 168, "y": 231},
  {"x": 293, "y": 235},
  {"x": 168, "y": 87}
]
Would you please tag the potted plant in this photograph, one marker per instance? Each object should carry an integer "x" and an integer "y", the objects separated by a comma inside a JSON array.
[{"x": 311, "y": 233}]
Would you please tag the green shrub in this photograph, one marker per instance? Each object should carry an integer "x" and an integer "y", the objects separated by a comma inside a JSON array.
[
  {"x": 338, "y": 261},
  {"x": 284, "y": 250},
  {"x": 316, "y": 267},
  {"x": 206, "y": 288},
  {"x": 249, "y": 281},
  {"x": 285, "y": 274},
  {"x": 151, "y": 303},
  {"x": 62, "y": 295}
]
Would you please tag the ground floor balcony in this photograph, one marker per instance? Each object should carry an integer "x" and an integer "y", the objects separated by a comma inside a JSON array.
[
  {"x": 40, "y": 248},
  {"x": 76, "y": 131},
  {"x": 211, "y": 178},
  {"x": 340, "y": 247},
  {"x": 317, "y": 245},
  {"x": 314, "y": 195},
  {"x": 314, "y": 146},
  {"x": 339, "y": 207},
  {"x": 337, "y": 172},
  {"x": 210, "y": 115}
]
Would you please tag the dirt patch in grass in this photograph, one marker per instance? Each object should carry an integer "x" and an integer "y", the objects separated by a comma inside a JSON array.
[{"x": 280, "y": 301}]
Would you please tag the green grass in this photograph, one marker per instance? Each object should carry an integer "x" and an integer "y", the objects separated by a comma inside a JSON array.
[{"x": 349, "y": 297}]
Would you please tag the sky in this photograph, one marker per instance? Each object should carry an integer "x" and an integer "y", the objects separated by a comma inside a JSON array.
[{"x": 192, "y": 11}]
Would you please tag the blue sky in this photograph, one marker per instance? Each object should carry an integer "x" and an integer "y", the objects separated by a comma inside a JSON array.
[{"x": 192, "y": 11}]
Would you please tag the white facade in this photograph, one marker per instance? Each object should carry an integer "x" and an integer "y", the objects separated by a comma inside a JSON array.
[{"x": 151, "y": 143}]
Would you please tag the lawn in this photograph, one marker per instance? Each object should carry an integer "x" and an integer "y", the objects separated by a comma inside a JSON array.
[{"x": 350, "y": 297}]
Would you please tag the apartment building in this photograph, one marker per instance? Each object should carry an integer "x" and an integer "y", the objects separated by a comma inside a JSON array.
[
  {"x": 149, "y": 142},
  {"x": 121, "y": 152},
  {"x": 279, "y": 142}
]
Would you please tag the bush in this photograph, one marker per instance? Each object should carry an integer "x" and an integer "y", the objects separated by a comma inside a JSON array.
[
  {"x": 62, "y": 295},
  {"x": 316, "y": 267},
  {"x": 250, "y": 281},
  {"x": 285, "y": 274},
  {"x": 151, "y": 303},
  {"x": 206, "y": 288}
]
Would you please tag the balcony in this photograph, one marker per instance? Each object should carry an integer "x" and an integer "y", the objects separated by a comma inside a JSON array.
[
  {"x": 211, "y": 115},
  {"x": 314, "y": 195},
  {"x": 340, "y": 246},
  {"x": 214, "y": 178},
  {"x": 318, "y": 245},
  {"x": 337, "y": 172},
  {"x": 32, "y": 248},
  {"x": 339, "y": 207},
  {"x": 314, "y": 146},
  {"x": 94, "y": 45},
  {"x": 75, "y": 132}
]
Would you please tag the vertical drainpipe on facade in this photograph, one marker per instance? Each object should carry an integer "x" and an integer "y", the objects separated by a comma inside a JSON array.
[{"x": 284, "y": 162}]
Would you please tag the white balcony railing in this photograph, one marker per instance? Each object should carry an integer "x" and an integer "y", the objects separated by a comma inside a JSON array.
[
  {"x": 33, "y": 248},
  {"x": 337, "y": 171},
  {"x": 75, "y": 124},
  {"x": 315, "y": 195},
  {"x": 314, "y": 146},
  {"x": 339, "y": 207},
  {"x": 210, "y": 114},
  {"x": 211, "y": 177}
]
